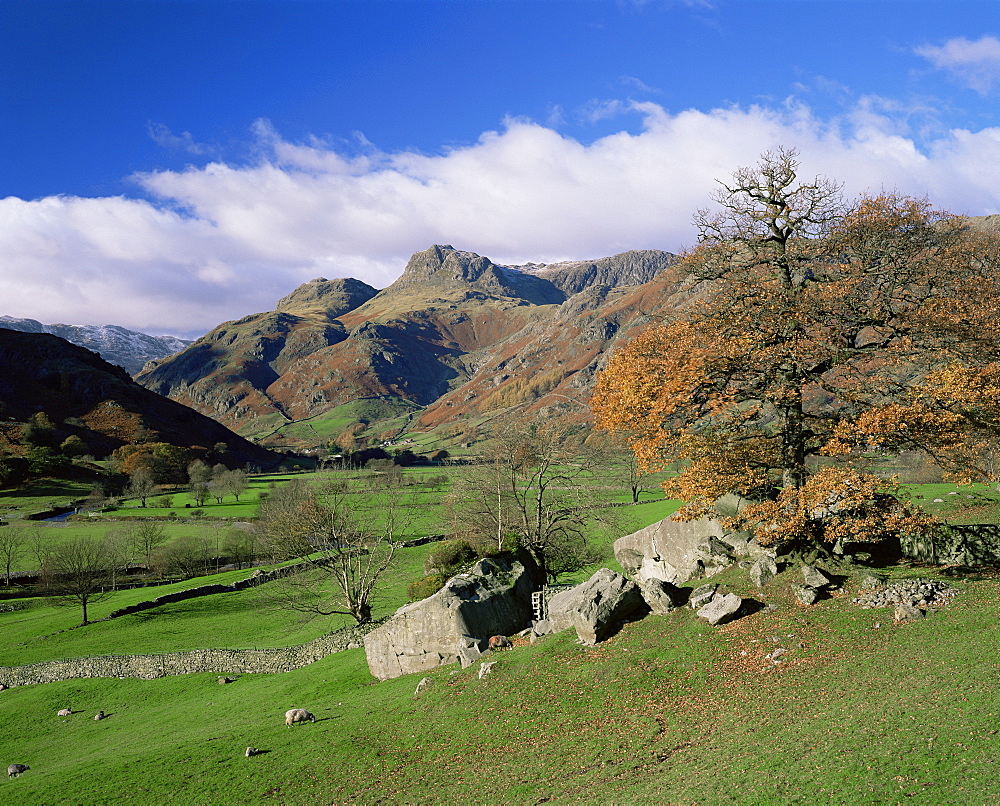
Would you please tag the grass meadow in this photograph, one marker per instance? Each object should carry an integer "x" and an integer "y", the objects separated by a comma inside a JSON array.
[
  {"x": 668, "y": 711},
  {"x": 857, "y": 710}
]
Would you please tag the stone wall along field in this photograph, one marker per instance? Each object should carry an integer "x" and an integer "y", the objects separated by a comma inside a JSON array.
[{"x": 217, "y": 661}]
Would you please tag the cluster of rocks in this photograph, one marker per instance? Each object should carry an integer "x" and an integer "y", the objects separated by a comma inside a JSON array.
[
  {"x": 814, "y": 584},
  {"x": 596, "y": 609},
  {"x": 494, "y": 598},
  {"x": 918, "y": 593}
]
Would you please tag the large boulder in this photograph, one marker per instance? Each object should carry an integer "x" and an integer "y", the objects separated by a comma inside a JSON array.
[
  {"x": 662, "y": 597},
  {"x": 763, "y": 571},
  {"x": 722, "y": 609},
  {"x": 596, "y": 608},
  {"x": 813, "y": 577},
  {"x": 677, "y": 551},
  {"x": 454, "y": 624}
]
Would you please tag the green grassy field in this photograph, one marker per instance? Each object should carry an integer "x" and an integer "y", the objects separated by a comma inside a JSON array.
[
  {"x": 669, "y": 711},
  {"x": 859, "y": 710}
]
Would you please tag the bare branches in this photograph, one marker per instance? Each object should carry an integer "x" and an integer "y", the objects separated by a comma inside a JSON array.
[
  {"x": 344, "y": 541},
  {"x": 78, "y": 572}
]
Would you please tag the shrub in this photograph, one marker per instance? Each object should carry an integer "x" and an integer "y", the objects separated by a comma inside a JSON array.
[
  {"x": 425, "y": 586},
  {"x": 449, "y": 556}
]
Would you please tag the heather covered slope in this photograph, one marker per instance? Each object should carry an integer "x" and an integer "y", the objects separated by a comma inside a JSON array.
[
  {"x": 85, "y": 395},
  {"x": 430, "y": 340}
]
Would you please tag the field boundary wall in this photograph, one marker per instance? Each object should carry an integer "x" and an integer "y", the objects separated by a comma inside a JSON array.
[{"x": 167, "y": 664}]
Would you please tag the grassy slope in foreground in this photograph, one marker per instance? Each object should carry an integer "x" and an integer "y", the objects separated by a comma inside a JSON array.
[{"x": 669, "y": 711}]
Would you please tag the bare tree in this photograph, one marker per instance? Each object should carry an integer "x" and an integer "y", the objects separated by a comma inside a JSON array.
[
  {"x": 532, "y": 488},
  {"x": 77, "y": 572},
  {"x": 199, "y": 475},
  {"x": 11, "y": 546},
  {"x": 144, "y": 536},
  {"x": 240, "y": 545},
  {"x": 234, "y": 483},
  {"x": 187, "y": 556},
  {"x": 141, "y": 484},
  {"x": 38, "y": 545},
  {"x": 344, "y": 540}
]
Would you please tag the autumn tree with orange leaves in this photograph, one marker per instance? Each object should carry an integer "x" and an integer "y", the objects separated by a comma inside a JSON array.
[{"x": 818, "y": 331}]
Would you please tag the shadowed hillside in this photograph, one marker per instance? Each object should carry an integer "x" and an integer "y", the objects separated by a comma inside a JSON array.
[{"x": 87, "y": 397}]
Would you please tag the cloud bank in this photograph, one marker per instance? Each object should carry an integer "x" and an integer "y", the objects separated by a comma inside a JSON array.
[{"x": 220, "y": 241}]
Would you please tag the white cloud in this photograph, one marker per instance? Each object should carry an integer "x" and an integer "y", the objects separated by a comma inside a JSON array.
[
  {"x": 220, "y": 241},
  {"x": 163, "y": 137},
  {"x": 975, "y": 63},
  {"x": 638, "y": 84}
]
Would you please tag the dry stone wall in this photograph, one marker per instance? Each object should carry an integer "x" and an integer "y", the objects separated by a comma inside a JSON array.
[
  {"x": 217, "y": 661},
  {"x": 974, "y": 544}
]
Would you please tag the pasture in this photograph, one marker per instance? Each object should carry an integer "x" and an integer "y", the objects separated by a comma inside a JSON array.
[
  {"x": 668, "y": 711},
  {"x": 859, "y": 709}
]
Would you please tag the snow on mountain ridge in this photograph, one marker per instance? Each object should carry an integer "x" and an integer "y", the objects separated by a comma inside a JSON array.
[{"x": 129, "y": 349}]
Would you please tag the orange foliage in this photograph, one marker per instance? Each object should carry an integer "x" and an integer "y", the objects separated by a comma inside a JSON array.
[{"x": 815, "y": 330}]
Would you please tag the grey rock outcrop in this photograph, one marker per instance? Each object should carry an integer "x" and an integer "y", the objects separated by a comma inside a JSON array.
[
  {"x": 595, "y": 608},
  {"x": 814, "y": 577},
  {"x": 907, "y": 612},
  {"x": 805, "y": 594},
  {"x": 721, "y": 609},
  {"x": 662, "y": 597},
  {"x": 492, "y": 598},
  {"x": 701, "y": 596},
  {"x": 469, "y": 651},
  {"x": 677, "y": 551},
  {"x": 763, "y": 571}
]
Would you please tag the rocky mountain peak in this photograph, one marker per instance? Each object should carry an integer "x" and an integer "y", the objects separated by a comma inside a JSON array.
[
  {"x": 331, "y": 297},
  {"x": 445, "y": 262},
  {"x": 444, "y": 267}
]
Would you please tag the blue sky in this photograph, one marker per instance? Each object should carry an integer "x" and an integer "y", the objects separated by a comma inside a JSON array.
[{"x": 168, "y": 165}]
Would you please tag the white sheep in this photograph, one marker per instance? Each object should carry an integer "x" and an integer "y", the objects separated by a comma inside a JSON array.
[
  {"x": 294, "y": 715},
  {"x": 15, "y": 770},
  {"x": 65, "y": 712},
  {"x": 99, "y": 716},
  {"x": 252, "y": 751}
]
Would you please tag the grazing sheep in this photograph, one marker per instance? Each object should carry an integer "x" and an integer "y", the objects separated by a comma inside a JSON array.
[
  {"x": 65, "y": 712},
  {"x": 15, "y": 770},
  {"x": 252, "y": 751},
  {"x": 294, "y": 715},
  {"x": 99, "y": 716},
  {"x": 498, "y": 642}
]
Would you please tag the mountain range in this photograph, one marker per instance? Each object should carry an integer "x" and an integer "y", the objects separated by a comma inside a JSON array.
[
  {"x": 454, "y": 340},
  {"x": 126, "y": 348}
]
